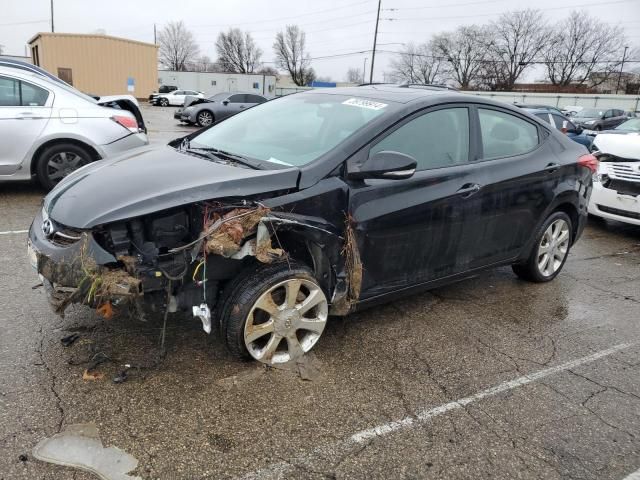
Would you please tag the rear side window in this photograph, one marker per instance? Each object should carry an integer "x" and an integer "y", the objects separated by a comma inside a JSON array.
[
  {"x": 543, "y": 116},
  {"x": 255, "y": 99},
  {"x": 505, "y": 135},
  {"x": 435, "y": 139},
  {"x": 238, "y": 98},
  {"x": 14, "y": 93}
]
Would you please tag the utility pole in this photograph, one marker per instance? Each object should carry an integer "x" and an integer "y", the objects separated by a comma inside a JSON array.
[
  {"x": 375, "y": 40},
  {"x": 621, "y": 67},
  {"x": 364, "y": 70},
  {"x": 52, "y": 29},
  {"x": 155, "y": 38}
]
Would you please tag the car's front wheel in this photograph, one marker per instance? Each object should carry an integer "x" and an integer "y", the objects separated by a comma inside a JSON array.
[
  {"x": 204, "y": 118},
  {"x": 164, "y": 102},
  {"x": 58, "y": 161},
  {"x": 273, "y": 314},
  {"x": 550, "y": 251}
]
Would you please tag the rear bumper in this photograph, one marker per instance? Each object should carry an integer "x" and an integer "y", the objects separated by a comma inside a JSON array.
[
  {"x": 129, "y": 142},
  {"x": 609, "y": 204}
]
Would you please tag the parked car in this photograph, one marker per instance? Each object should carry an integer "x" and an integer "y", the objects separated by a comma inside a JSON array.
[
  {"x": 562, "y": 123},
  {"x": 616, "y": 187},
  {"x": 175, "y": 97},
  {"x": 630, "y": 126},
  {"x": 55, "y": 129},
  {"x": 206, "y": 111},
  {"x": 571, "y": 110},
  {"x": 599, "y": 119},
  {"x": 529, "y": 106},
  {"x": 161, "y": 90},
  {"x": 314, "y": 204}
]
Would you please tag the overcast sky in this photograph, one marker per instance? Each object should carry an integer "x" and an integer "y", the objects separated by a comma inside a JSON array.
[{"x": 333, "y": 27}]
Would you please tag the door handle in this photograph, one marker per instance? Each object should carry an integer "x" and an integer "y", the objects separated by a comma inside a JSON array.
[
  {"x": 469, "y": 189},
  {"x": 551, "y": 167},
  {"x": 25, "y": 115}
]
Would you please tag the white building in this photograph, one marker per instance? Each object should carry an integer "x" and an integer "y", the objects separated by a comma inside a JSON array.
[{"x": 212, "y": 83}]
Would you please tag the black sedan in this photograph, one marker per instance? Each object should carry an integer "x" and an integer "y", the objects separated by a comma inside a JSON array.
[{"x": 315, "y": 204}]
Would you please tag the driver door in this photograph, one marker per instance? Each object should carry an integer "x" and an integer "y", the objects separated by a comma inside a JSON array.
[
  {"x": 232, "y": 105},
  {"x": 411, "y": 231}
]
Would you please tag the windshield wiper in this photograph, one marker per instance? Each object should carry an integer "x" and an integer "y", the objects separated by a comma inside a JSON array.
[{"x": 228, "y": 156}]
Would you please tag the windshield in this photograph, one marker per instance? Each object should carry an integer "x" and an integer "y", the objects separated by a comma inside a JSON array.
[
  {"x": 589, "y": 113},
  {"x": 293, "y": 130},
  {"x": 633, "y": 124},
  {"x": 218, "y": 97}
]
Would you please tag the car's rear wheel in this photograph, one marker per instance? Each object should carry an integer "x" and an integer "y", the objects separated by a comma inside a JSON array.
[
  {"x": 164, "y": 102},
  {"x": 58, "y": 161},
  {"x": 550, "y": 250},
  {"x": 204, "y": 118},
  {"x": 273, "y": 314}
]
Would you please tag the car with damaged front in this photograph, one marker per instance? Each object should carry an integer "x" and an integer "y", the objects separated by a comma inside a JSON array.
[{"x": 315, "y": 204}]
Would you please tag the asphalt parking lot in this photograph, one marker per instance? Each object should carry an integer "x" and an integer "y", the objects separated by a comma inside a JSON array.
[{"x": 489, "y": 378}]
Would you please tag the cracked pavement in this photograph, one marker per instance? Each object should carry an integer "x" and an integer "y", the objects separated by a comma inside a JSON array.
[{"x": 199, "y": 414}]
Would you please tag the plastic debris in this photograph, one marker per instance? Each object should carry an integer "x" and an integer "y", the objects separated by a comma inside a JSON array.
[
  {"x": 69, "y": 339},
  {"x": 204, "y": 314},
  {"x": 79, "y": 446},
  {"x": 92, "y": 376}
]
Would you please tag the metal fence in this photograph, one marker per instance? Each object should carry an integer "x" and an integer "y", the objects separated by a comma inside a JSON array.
[{"x": 560, "y": 100}]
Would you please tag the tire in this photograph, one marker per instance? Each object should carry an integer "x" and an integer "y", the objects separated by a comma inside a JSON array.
[
  {"x": 538, "y": 268},
  {"x": 598, "y": 128},
  {"x": 164, "y": 102},
  {"x": 288, "y": 332},
  {"x": 58, "y": 161},
  {"x": 205, "y": 118}
]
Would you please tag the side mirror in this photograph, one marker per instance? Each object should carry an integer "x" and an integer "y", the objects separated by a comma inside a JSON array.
[
  {"x": 386, "y": 165},
  {"x": 225, "y": 102}
]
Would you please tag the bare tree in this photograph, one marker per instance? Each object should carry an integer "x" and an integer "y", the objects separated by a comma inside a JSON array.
[
  {"x": 354, "y": 75},
  {"x": 516, "y": 40},
  {"x": 291, "y": 56},
  {"x": 579, "y": 46},
  {"x": 237, "y": 51},
  {"x": 178, "y": 48},
  {"x": 418, "y": 64},
  {"x": 269, "y": 71},
  {"x": 465, "y": 52}
]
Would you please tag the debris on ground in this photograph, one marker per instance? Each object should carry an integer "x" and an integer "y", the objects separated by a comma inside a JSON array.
[
  {"x": 92, "y": 376},
  {"x": 307, "y": 367},
  {"x": 69, "y": 339},
  {"x": 79, "y": 446},
  {"x": 105, "y": 310},
  {"x": 123, "y": 375},
  {"x": 241, "y": 378}
]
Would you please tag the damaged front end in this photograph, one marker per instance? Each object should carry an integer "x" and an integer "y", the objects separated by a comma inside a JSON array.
[{"x": 181, "y": 258}]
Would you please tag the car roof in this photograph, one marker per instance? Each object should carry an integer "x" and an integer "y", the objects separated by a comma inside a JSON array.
[
  {"x": 535, "y": 110},
  {"x": 385, "y": 93}
]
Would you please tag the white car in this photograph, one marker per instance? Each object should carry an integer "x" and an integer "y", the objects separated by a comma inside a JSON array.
[
  {"x": 616, "y": 186},
  {"x": 175, "y": 98},
  {"x": 49, "y": 129}
]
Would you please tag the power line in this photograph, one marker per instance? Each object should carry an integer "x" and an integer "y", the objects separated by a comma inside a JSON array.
[{"x": 23, "y": 23}]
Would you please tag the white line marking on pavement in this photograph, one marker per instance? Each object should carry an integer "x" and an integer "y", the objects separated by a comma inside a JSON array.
[
  {"x": 14, "y": 232},
  {"x": 338, "y": 449},
  {"x": 633, "y": 476}
]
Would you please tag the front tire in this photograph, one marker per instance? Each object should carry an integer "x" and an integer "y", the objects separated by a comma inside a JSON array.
[
  {"x": 550, "y": 250},
  {"x": 164, "y": 102},
  {"x": 273, "y": 314},
  {"x": 58, "y": 161},
  {"x": 204, "y": 118}
]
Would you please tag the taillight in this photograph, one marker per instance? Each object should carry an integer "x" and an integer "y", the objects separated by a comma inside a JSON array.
[
  {"x": 589, "y": 161},
  {"x": 127, "y": 122}
]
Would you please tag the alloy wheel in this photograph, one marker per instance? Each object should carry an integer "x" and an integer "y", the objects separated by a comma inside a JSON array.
[
  {"x": 62, "y": 164},
  {"x": 205, "y": 119},
  {"x": 553, "y": 247},
  {"x": 286, "y": 321},
  {"x": 164, "y": 102}
]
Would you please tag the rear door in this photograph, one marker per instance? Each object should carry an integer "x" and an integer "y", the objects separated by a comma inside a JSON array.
[
  {"x": 412, "y": 231},
  {"x": 25, "y": 109},
  {"x": 235, "y": 103},
  {"x": 516, "y": 170},
  {"x": 176, "y": 97}
]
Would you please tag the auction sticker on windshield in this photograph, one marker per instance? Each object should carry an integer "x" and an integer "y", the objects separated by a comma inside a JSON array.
[{"x": 359, "y": 102}]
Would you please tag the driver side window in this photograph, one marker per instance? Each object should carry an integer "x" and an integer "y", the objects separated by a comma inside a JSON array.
[{"x": 436, "y": 139}]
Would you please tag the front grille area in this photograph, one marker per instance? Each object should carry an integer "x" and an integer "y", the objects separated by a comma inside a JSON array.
[
  {"x": 64, "y": 236},
  {"x": 617, "y": 211},
  {"x": 625, "y": 171},
  {"x": 623, "y": 187}
]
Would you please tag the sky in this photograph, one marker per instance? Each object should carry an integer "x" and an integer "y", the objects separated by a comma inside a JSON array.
[{"x": 339, "y": 33}]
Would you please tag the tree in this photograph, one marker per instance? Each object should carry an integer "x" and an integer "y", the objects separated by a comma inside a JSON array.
[
  {"x": 418, "y": 64},
  {"x": 204, "y": 64},
  {"x": 354, "y": 75},
  {"x": 237, "y": 51},
  {"x": 178, "y": 48},
  {"x": 268, "y": 71},
  {"x": 289, "y": 48},
  {"x": 515, "y": 40},
  {"x": 465, "y": 52},
  {"x": 581, "y": 45}
]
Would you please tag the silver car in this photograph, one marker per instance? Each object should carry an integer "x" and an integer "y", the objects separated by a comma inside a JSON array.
[
  {"x": 49, "y": 129},
  {"x": 206, "y": 111}
]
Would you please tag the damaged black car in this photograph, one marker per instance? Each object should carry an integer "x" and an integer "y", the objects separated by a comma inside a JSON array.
[{"x": 315, "y": 204}]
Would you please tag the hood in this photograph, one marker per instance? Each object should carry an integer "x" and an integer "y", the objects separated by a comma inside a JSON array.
[
  {"x": 622, "y": 146},
  {"x": 583, "y": 119},
  {"x": 191, "y": 100},
  {"x": 148, "y": 180}
]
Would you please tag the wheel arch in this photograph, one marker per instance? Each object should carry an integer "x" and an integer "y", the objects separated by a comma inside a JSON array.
[{"x": 57, "y": 141}]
